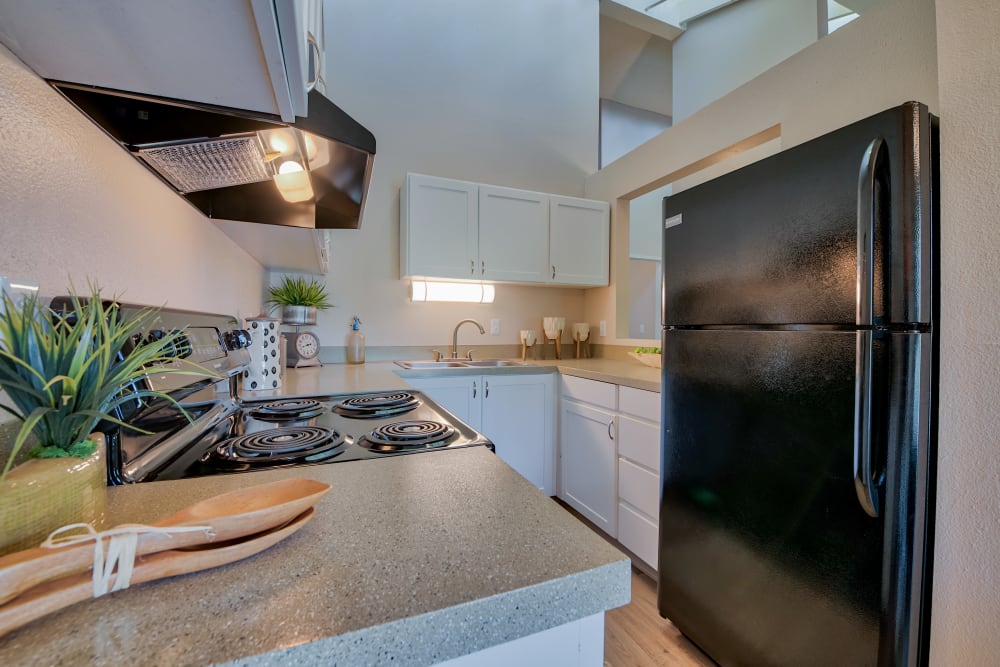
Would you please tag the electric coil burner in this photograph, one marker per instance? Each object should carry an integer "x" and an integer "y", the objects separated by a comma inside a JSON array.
[
  {"x": 373, "y": 406},
  {"x": 230, "y": 433},
  {"x": 291, "y": 409},
  {"x": 407, "y": 435},
  {"x": 281, "y": 446}
]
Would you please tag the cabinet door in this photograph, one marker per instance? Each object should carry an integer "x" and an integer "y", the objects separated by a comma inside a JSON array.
[
  {"x": 513, "y": 234},
  {"x": 169, "y": 49},
  {"x": 461, "y": 396},
  {"x": 579, "y": 234},
  {"x": 638, "y": 533},
  {"x": 639, "y": 441},
  {"x": 518, "y": 415},
  {"x": 439, "y": 223},
  {"x": 588, "y": 457},
  {"x": 300, "y": 25}
]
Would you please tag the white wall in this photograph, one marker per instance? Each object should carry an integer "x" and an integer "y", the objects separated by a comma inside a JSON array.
[
  {"x": 725, "y": 49},
  {"x": 636, "y": 67},
  {"x": 645, "y": 219},
  {"x": 967, "y": 555},
  {"x": 624, "y": 127},
  {"x": 804, "y": 94},
  {"x": 497, "y": 93},
  {"x": 75, "y": 207}
]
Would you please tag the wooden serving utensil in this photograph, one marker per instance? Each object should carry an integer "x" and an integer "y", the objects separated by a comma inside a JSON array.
[
  {"x": 228, "y": 516},
  {"x": 56, "y": 595}
]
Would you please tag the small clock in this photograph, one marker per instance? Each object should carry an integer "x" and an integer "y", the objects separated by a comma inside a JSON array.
[{"x": 303, "y": 350}]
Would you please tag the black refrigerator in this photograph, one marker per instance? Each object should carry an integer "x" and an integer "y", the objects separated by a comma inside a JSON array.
[{"x": 799, "y": 401}]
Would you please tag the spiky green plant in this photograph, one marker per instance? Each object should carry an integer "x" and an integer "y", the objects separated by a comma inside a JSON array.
[
  {"x": 63, "y": 372},
  {"x": 297, "y": 291}
]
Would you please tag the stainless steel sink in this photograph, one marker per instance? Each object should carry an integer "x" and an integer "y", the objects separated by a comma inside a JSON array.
[
  {"x": 429, "y": 364},
  {"x": 493, "y": 363}
]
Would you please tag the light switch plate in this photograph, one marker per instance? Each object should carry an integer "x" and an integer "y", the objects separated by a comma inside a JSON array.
[
  {"x": 494, "y": 327},
  {"x": 604, "y": 327}
]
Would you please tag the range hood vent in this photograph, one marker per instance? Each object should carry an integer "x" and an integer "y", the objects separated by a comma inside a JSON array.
[
  {"x": 241, "y": 165},
  {"x": 207, "y": 165}
]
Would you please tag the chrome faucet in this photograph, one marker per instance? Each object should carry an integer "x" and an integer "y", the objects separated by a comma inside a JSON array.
[{"x": 454, "y": 336}]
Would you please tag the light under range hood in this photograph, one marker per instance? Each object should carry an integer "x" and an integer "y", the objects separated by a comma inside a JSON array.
[{"x": 240, "y": 165}]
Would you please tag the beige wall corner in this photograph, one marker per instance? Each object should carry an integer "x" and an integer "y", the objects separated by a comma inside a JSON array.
[{"x": 966, "y": 597}]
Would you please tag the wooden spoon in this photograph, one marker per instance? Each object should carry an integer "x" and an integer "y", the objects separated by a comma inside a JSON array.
[
  {"x": 229, "y": 515},
  {"x": 56, "y": 595}
]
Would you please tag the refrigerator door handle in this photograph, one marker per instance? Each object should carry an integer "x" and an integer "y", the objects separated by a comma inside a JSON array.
[
  {"x": 864, "y": 483},
  {"x": 866, "y": 229}
]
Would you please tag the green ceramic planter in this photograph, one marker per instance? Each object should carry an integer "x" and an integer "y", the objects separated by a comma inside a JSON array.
[{"x": 41, "y": 495}]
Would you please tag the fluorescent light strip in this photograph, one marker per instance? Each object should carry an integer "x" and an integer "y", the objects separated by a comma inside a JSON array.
[{"x": 427, "y": 290}]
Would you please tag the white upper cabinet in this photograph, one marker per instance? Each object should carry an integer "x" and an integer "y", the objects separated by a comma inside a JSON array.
[
  {"x": 439, "y": 234},
  {"x": 300, "y": 25},
  {"x": 472, "y": 231},
  {"x": 230, "y": 53},
  {"x": 513, "y": 234},
  {"x": 579, "y": 240}
]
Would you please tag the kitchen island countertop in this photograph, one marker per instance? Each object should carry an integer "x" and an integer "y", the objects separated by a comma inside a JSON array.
[{"x": 409, "y": 559}]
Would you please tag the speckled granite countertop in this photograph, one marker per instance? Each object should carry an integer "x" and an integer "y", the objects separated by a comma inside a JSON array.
[
  {"x": 409, "y": 560},
  {"x": 617, "y": 371},
  {"x": 372, "y": 376}
]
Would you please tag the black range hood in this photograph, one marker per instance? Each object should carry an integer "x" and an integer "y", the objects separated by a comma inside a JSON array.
[{"x": 241, "y": 165}]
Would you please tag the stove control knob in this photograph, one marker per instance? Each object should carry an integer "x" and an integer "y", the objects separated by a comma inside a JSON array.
[{"x": 237, "y": 339}]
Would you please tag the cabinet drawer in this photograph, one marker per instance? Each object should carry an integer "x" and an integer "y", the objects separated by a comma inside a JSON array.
[
  {"x": 603, "y": 394},
  {"x": 639, "y": 402},
  {"x": 638, "y": 534},
  {"x": 638, "y": 487},
  {"x": 640, "y": 442}
]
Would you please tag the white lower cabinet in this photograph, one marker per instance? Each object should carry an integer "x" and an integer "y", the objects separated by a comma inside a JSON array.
[
  {"x": 639, "y": 534},
  {"x": 639, "y": 472},
  {"x": 587, "y": 462},
  {"x": 516, "y": 412},
  {"x": 610, "y": 460}
]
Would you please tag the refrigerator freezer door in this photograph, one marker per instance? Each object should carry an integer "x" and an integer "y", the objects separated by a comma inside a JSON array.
[
  {"x": 766, "y": 555},
  {"x": 776, "y": 242}
]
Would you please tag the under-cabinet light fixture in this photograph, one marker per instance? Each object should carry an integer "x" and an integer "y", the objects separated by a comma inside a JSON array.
[{"x": 427, "y": 290}]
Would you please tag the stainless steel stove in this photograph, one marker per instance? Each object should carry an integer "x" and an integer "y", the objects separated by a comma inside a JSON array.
[{"x": 224, "y": 434}]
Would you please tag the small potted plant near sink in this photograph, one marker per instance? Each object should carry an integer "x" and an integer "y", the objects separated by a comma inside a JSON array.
[
  {"x": 299, "y": 299},
  {"x": 62, "y": 374}
]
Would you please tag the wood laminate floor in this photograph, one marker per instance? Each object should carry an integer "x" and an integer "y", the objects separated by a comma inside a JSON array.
[{"x": 636, "y": 636}]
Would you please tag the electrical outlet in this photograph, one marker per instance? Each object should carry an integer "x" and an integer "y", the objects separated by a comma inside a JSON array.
[
  {"x": 494, "y": 327},
  {"x": 604, "y": 327},
  {"x": 642, "y": 328}
]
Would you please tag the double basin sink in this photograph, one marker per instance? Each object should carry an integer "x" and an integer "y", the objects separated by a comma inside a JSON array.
[{"x": 428, "y": 364}]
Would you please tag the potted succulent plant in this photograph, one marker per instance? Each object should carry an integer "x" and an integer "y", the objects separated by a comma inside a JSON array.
[
  {"x": 62, "y": 373},
  {"x": 299, "y": 299}
]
